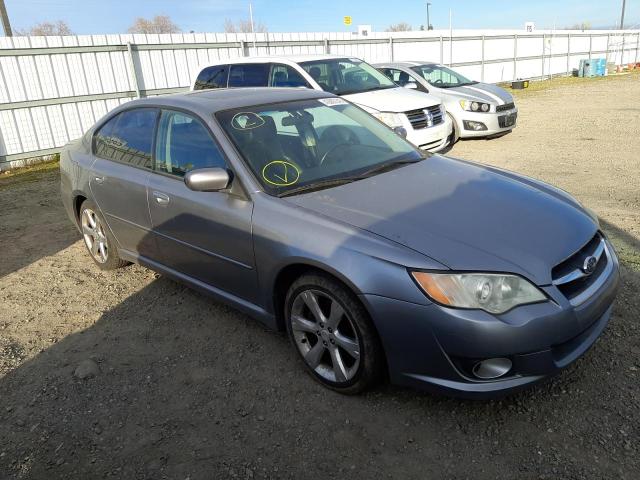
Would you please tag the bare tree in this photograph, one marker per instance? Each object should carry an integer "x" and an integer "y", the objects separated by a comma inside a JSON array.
[
  {"x": 158, "y": 24},
  {"x": 399, "y": 27},
  {"x": 580, "y": 26},
  {"x": 46, "y": 29},
  {"x": 243, "y": 26}
]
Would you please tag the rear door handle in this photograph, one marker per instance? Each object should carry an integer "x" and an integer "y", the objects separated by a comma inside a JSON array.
[
  {"x": 99, "y": 179},
  {"x": 161, "y": 198}
]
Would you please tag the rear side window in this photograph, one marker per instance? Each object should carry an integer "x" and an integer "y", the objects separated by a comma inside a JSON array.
[
  {"x": 249, "y": 75},
  {"x": 185, "y": 144},
  {"x": 212, "y": 77},
  {"x": 128, "y": 137},
  {"x": 286, "y": 76}
]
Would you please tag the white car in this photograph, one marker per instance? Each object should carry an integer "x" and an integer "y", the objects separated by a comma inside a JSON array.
[
  {"x": 478, "y": 109},
  {"x": 423, "y": 117}
]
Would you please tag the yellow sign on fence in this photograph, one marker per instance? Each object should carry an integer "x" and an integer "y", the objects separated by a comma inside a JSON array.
[{"x": 347, "y": 20}]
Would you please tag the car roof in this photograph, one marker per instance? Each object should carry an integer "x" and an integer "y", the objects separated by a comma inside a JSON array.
[
  {"x": 275, "y": 58},
  {"x": 406, "y": 64},
  {"x": 215, "y": 100}
]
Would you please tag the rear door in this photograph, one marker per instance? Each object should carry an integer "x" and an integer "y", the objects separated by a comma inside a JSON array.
[
  {"x": 119, "y": 175},
  {"x": 204, "y": 235},
  {"x": 249, "y": 75}
]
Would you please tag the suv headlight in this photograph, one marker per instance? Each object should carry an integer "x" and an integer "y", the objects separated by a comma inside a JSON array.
[
  {"x": 390, "y": 118},
  {"x": 472, "y": 106},
  {"x": 491, "y": 292}
]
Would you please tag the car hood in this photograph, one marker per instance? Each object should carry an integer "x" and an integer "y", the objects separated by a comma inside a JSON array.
[
  {"x": 463, "y": 215},
  {"x": 392, "y": 100},
  {"x": 482, "y": 91}
]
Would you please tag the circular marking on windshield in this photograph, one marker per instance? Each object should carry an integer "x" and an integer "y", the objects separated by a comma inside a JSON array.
[
  {"x": 280, "y": 173},
  {"x": 246, "y": 121}
]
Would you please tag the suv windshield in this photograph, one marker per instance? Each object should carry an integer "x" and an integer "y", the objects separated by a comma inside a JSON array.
[
  {"x": 343, "y": 76},
  {"x": 312, "y": 144},
  {"x": 442, "y": 77}
]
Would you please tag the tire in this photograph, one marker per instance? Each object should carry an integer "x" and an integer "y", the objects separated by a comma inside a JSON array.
[
  {"x": 98, "y": 239},
  {"x": 455, "y": 135},
  {"x": 338, "y": 344}
]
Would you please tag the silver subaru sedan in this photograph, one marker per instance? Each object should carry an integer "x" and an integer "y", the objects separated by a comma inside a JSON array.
[{"x": 477, "y": 109}]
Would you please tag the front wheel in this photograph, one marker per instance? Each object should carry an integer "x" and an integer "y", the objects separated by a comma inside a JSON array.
[
  {"x": 455, "y": 134},
  {"x": 333, "y": 334}
]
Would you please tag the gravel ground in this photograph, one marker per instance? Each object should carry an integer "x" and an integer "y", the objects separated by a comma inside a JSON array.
[{"x": 127, "y": 374}]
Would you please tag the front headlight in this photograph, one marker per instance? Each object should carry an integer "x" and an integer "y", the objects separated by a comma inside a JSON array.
[
  {"x": 390, "y": 118},
  {"x": 494, "y": 293},
  {"x": 472, "y": 106}
]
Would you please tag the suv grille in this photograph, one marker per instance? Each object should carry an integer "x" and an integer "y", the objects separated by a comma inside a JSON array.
[
  {"x": 427, "y": 117},
  {"x": 570, "y": 277},
  {"x": 505, "y": 107}
]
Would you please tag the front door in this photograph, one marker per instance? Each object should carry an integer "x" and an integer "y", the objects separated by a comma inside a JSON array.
[
  {"x": 205, "y": 235},
  {"x": 119, "y": 176}
]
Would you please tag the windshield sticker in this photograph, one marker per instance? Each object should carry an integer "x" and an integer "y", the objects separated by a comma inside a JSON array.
[
  {"x": 332, "y": 102},
  {"x": 246, "y": 121},
  {"x": 280, "y": 173}
]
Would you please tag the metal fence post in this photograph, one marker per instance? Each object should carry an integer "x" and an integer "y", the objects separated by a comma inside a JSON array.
[
  {"x": 482, "y": 64},
  {"x": 134, "y": 72},
  {"x": 607, "y": 54},
  {"x": 637, "y": 46},
  {"x": 515, "y": 56},
  {"x": 590, "y": 45},
  {"x": 441, "y": 51},
  {"x": 327, "y": 49},
  {"x": 391, "y": 49},
  {"x": 568, "y": 53},
  {"x": 544, "y": 46},
  {"x": 243, "y": 48}
]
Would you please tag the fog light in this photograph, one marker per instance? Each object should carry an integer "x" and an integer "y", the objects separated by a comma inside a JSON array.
[
  {"x": 492, "y": 368},
  {"x": 476, "y": 126}
]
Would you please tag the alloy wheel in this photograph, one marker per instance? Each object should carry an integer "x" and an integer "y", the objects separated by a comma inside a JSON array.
[
  {"x": 94, "y": 235},
  {"x": 325, "y": 336}
]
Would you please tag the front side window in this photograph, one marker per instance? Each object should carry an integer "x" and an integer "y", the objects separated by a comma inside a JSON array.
[
  {"x": 306, "y": 144},
  {"x": 212, "y": 77},
  {"x": 128, "y": 137},
  {"x": 343, "y": 76},
  {"x": 286, "y": 76},
  {"x": 184, "y": 144},
  {"x": 249, "y": 75},
  {"x": 442, "y": 77}
]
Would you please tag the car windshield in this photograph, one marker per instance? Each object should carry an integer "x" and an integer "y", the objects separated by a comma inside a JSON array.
[
  {"x": 313, "y": 144},
  {"x": 442, "y": 77},
  {"x": 342, "y": 76}
]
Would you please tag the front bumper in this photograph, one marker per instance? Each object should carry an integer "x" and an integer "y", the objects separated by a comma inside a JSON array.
[
  {"x": 496, "y": 123},
  {"x": 428, "y": 346},
  {"x": 433, "y": 138}
]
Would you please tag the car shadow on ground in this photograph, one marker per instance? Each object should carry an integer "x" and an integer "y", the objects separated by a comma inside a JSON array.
[{"x": 186, "y": 387}]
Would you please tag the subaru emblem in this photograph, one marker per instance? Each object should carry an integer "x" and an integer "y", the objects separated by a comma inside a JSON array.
[{"x": 589, "y": 265}]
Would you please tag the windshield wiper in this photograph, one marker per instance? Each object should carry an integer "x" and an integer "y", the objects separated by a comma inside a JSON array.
[
  {"x": 310, "y": 187},
  {"x": 385, "y": 167}
]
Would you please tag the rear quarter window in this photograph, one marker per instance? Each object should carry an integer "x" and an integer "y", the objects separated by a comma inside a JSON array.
[{"x": 212, "y": 77}]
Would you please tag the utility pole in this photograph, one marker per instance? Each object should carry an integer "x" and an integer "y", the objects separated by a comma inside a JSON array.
[
  {"x": 253, "y": 30},
  {"x": 624, "y": 4},
  {"x": 5, "y": 20},
  {"x": 429, "y": 27}
]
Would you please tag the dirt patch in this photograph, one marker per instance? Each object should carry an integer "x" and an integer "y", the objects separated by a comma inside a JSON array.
[{"x": 180, "y": 386}]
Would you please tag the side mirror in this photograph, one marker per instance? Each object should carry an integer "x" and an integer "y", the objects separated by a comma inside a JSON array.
[
  {"x": 207, "y": 179},
  {"x": 411, "y": 85}
]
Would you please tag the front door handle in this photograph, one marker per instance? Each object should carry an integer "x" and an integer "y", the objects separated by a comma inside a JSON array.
[
  {"x": 99, "y": 179},
  {"x": 161, "y": 198}
]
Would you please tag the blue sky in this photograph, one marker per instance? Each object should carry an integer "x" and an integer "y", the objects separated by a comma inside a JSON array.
[{"x": 115, "y": 16}]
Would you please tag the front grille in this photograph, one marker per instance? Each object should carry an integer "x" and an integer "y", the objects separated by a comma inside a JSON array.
[
  {"x": 569, "y": 276},
  {"x": 425, "y": 118},
  {"x": 505, "y": 107}
]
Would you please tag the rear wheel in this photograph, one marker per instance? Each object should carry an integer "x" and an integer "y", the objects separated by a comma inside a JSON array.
[
  {"x": 98, "y": 239},
  {"x": 333, "y": 334}
]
